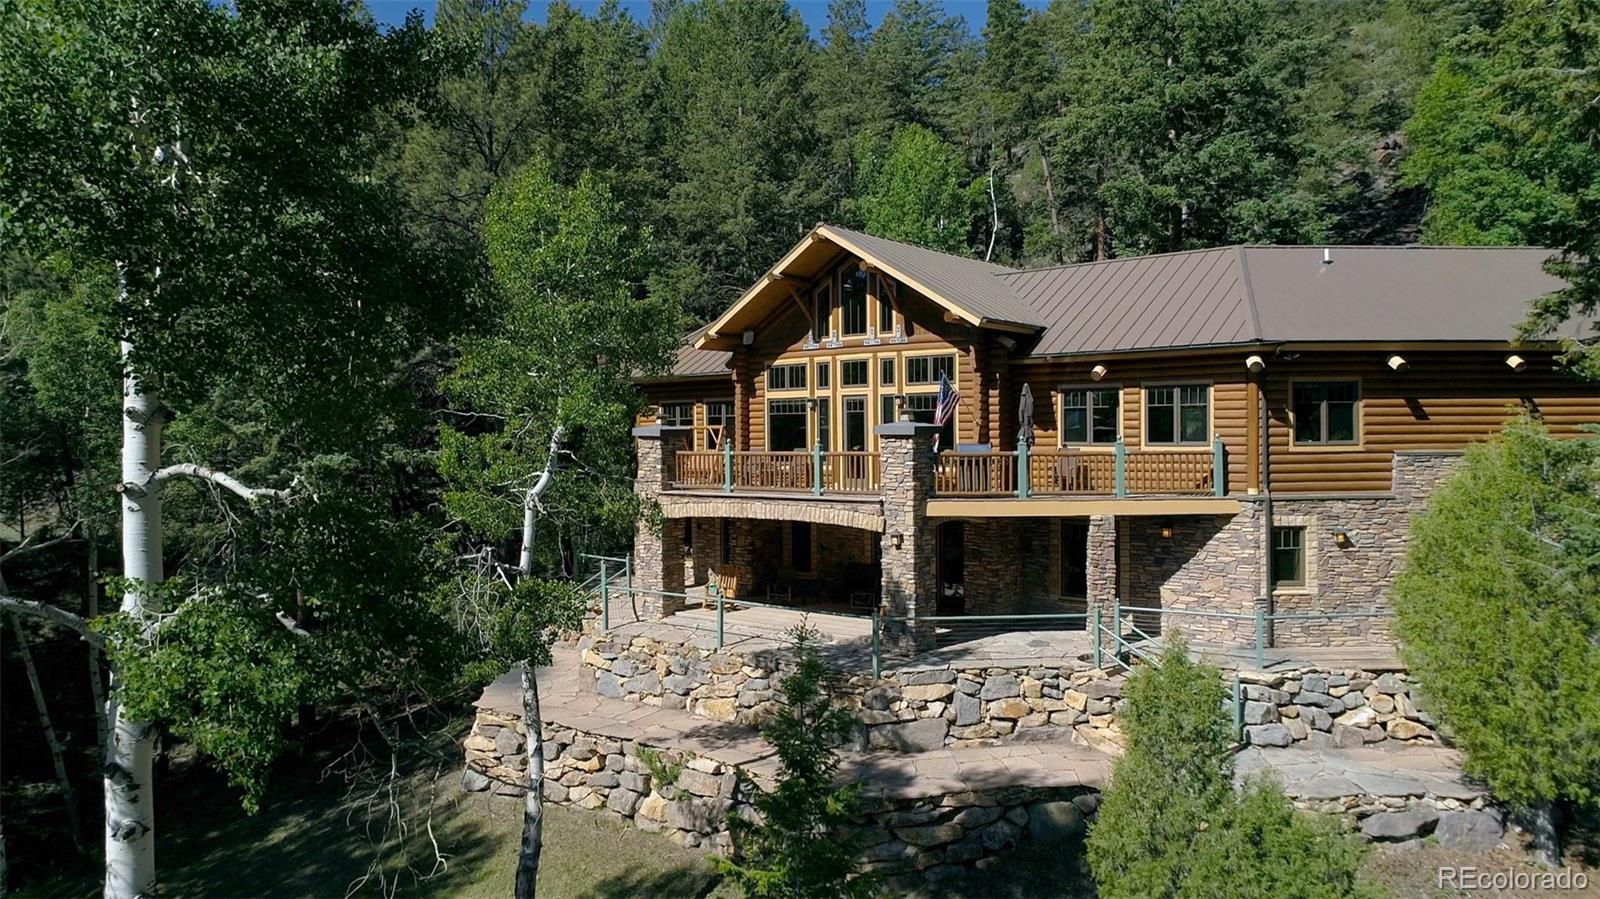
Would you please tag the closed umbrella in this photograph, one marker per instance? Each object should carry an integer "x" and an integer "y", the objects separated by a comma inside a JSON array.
[{"x": 1025, "y": 414}]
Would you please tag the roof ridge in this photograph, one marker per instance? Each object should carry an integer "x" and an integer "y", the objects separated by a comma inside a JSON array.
[
  {"x": 1249, "y": 292},
  {"x": 1065, "y": 265}
]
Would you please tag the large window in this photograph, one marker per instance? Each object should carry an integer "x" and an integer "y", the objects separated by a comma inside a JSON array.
[
  {"x": 719, "y": 423},
  {"x": 824, "y": 423},
  {"x": 1289, "y": 557},
  {"x": 824, "y": 374},
  {"x": 787, "y": 377},
  {"x": 1325, "y": 412},
  {"x": 821, "y": 309},
  {"x": 1177, "y": 415},
  {"x": 853, "y": 373},
  {"x": 886, "y": 372},
  {"x": 1090, "y": 416},
  {"x": 852, "y": 300},
  {"x": 855, "y": 424},
  {"x": 786, "y": 425},
  {"x": 927, "y": 369},
  {"x": 678, "y": 415},
  {"x": 922, "y": 407}
]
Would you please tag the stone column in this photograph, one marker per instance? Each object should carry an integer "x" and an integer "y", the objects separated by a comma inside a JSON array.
[
  {"x": 1103, "y": 579},
  {"x": 910, "y": 575},
  {"x": 657, "y": 549}
]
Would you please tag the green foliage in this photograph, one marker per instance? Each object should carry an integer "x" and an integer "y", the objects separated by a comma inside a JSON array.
[
  {"x": 1201, "y": 839},
  {"x": 662, "y": 770},
  {"x": 916, "y": 190},
  {"x": 800, "y": 849},
  {"x": 1499, "y": 613}
]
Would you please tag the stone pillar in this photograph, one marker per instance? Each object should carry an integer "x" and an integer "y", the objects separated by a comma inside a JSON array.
[
  {"x": 657, "y": 548},
  {"x": 1103, "y": 579},
  {"x": 910, "y": 575}
]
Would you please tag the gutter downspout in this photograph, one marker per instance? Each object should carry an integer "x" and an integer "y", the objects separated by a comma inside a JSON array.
[{"x": 1264, "y": 601}]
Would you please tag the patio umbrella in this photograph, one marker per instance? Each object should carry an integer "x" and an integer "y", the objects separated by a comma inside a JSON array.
[{"x": 1025, "y": 413}]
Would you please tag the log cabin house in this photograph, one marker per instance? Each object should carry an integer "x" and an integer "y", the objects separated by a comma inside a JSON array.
[{"x": 1242, "y": 429}]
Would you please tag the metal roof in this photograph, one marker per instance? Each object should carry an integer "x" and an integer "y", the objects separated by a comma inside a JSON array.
[{"x": 693, "y": 362}]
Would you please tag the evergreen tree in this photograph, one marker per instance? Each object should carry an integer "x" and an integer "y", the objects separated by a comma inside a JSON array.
[
  {"x": 741, "y": 153},
  {"x": 1498, "y": 608},
  {"x": 851, "y": 105},
  {"x": 920, "y": 57},
  {"x": 1186, "y": 112}
]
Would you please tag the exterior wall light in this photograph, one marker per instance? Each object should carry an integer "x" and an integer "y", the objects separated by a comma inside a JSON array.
[
  {"x": 1516, "y": 363},
  {"x": 898, "y": 539},
  {"x": 1096, "y": 373},
  {"x": 1398, "y": 362},
  {"x": 1341, "y": 538},
  {"x": 1255, "y": 364},
  {"x": 1166, "y": 530}
]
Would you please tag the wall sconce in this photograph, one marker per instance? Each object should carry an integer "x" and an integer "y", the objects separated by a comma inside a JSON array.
[
  {"x": 1398, "y": 362},
  {"x": 1096, "y": 373},
  {"x": 898, "y": 539},
  {"x": 1341, "y": 538},
  {"x": 1166, "y": 530},
  {"x": 1255, "y": 364},
  {"x": 1516, "y": 363}
]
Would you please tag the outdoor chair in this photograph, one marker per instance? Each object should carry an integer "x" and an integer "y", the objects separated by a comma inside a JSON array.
[{"x": 726, "y": 580}]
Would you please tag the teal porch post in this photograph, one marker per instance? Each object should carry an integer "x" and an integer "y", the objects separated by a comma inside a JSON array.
[
  {"x": 816, "y": 468},
  {"x": 1121, "y": 468},
  {"x": 727, "y": 464},
  {"x": 605, "y": 597},
  {"x": 1024, "y": 468},
  {"x": 1219, "y": 468}
]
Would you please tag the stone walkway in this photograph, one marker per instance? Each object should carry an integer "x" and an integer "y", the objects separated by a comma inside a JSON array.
[
  {"x": 1409, "y": 772},
  {"x": 564, "y": 703}
]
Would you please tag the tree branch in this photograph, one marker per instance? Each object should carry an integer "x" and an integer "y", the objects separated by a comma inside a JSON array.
[
  {"x": 220, "y": 478},
  {"x": 53, "y": 613}
]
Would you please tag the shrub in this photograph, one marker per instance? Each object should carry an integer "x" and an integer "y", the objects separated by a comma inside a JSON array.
[
  {"x": 801, "y": 848},
  {"x": 1171, "y": 824}
]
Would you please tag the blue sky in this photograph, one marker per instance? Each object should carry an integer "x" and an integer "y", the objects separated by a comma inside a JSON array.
[{"x": 815, "y": 12}]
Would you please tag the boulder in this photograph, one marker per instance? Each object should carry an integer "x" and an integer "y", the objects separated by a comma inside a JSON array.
[
  {"x": 1347, "y": 737},
  {"x": 923, "y": 735},
  {"x": 702, "y": 784},
  {"x": 1470, "y": 831},
  {"x": 1110, "y": 688},
  {"x": 1360, "y": 718},
  {"x": 1011, "y": 709},
  {"x": 678, "y": 683},
  {"x": 1000, "y": 686},
  {"x": 473, "y": 781},
  {"x": 608, "y": 685},
  {"x": 1268, "y": 735},
  {"x": 717, "y": 709},
  {"x": 1320, "y": 700},
  {"x": 927, "y": 692},
  {"x": 697, "y": 815},
  {"x": 1314, "y": 683},
  {"x": 1316, "y": 718},
  {"x": 1396, "y": 826},
  {"x": 878, "y": 698},
  {"x": 930, "y": 676},
  {"x": 1406, "y": 729},
  {"x": 1260, "y": 713},
  {"x": 1054, "y": 822},
  {"x": 654, "y": 808},
  {"x": 623, "y": 802},
  {"x": 931, "y": 834},
  {"x": 1389, "y": 684}
]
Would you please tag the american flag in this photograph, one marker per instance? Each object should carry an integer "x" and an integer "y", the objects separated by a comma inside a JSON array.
[{"x": 949, "y": 398}]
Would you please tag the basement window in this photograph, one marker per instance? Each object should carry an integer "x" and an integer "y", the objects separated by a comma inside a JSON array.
[{"x": 1289, "y": 557}]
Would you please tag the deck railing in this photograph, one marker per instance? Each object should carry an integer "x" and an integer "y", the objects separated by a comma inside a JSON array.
[
  {"x": 1112, "y": 471},
  {"x": 814, "y": 471}
]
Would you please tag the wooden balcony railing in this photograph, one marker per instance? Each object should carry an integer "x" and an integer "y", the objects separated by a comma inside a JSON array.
[
  {"x": 1114, "y": 471},
  {"x": 846, "y": 472}
]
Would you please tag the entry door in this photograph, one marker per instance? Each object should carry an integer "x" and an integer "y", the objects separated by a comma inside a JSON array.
[
  {"x": 1075, "y": 561},
  {"x": 855, "y": 424},
  {"x": 952, "y": 568}
]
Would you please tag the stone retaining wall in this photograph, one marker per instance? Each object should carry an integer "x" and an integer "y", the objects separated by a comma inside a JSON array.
[
  {"x": 1333, "y": 709},
  {"x": 920, "y": 709},
  {"x": 688, "y": 797}
]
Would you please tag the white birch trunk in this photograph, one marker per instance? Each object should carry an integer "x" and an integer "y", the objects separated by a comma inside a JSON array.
[
  {"x": 130, "y": 749},
  {"x": 533, "y": 802}
]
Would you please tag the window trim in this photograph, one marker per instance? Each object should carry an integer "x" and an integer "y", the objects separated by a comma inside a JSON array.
[
  {"x": 766, "y": 382},
  {"x": 1326, "y": 446},
  {"x": 810, "y": 416},
  {"x": 907, "y": 385},
  {"x": 822, "y": 324},
  {"x": 837, "y": 276},
  {"x": 704, "y": 430},
  {"x": 1061, "y": 424},
  {"x": 661, "y": 412},
  {"x": 865, "y": 385},
  {"x": 1180, "y": 446}
]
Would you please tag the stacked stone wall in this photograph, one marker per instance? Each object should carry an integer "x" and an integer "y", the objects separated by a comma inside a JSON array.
[
  {"x": 912, "y": 840},
  {"x": 1209, "y": 563},
  {"x": 1334, "y": 709}
]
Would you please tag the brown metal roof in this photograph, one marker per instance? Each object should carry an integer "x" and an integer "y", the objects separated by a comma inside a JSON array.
[
  {"x": 1233, "y": 295},
  {"x": 693, "y": 362}
]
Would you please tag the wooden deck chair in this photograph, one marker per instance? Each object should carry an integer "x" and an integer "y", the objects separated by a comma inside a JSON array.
[{"x": 726, "y": 581}]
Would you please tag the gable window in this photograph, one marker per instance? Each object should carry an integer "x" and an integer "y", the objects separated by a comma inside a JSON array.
[
  {"x": 1177, "y": 415},
  {"x": 677, "y": 415},
  {"x": 886, "y": 372},
  {"x": 1090, "y": 416},
  {"x": 787, "y": 377},
  {"x": 821, "y": 309},
  {"x": 824, "y": 374},
  {"x": 1325, "y": 412},
  {"x": 719, "y": 423},
  {"x": 853, "y": 373},
  {"x": 885, "y": 308},
  {"x": 1288, "y": 557},
  {"x": 927, "y": 369},
  {"x": 786, "y": 425},
  {"x": 853, "y": 300}
]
